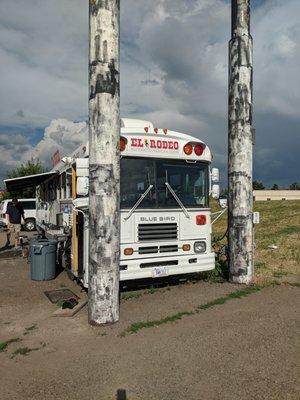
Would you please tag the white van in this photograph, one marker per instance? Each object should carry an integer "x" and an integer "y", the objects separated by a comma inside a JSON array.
[{"x": 29, "y": 206}]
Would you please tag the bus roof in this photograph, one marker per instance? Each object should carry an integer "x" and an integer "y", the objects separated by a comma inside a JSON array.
[{"x": 142, "y": 139}]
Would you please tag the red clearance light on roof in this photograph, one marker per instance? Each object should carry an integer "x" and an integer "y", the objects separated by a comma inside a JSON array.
[
  {"x": 198, "y": 149},
  {"x": 122, "y": 144},
  {"x": 188, "y": 149},
  {"x": 155, "y": 130},
  {"x": 146, "y": 129},
  {"x": 165, "y": 131},
  {"x": 200, "y": 219}
]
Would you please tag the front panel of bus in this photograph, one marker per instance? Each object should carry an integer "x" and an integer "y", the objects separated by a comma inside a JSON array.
[{"x": 165, "y": 217}]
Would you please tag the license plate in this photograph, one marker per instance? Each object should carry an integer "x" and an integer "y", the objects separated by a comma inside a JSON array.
[{"x": 159, "y": 272}]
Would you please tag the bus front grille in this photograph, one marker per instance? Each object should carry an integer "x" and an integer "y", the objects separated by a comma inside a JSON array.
[
  {"x": 159, "y": 264},
  {"x": 153, "y": 232},
  {"x": 155, "y": 249}
]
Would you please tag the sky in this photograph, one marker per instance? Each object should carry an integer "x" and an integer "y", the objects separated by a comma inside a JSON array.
[{"x": 173, "y": 73}]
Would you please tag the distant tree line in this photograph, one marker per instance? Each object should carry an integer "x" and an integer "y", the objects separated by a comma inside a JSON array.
[
  {"x": 295, "y": 186},
  {"x": 257, "y": 185}
]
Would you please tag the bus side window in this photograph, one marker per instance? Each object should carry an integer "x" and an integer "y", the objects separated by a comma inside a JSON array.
[
  {"x": 41, "y": 192},
  {"x": 53, "y": 188},
  {"x": 58, "y": 190},
  {"x": 28, "y": 205},
  {"x": 63, "y": 185},
  {"x": 49, "y": 188},
  {"x": 68, "y": 183}
]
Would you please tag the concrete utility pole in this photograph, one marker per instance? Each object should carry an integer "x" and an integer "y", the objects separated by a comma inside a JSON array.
[
  {"x": 240, "y": 142},
  {"x": 104, "y": 161}
]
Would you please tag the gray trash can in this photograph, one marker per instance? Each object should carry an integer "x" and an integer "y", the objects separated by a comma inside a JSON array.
[{"x": 42, "y": 254}]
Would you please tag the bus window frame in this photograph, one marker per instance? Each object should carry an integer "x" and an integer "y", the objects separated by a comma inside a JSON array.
[{"x": 167, "y": 160}]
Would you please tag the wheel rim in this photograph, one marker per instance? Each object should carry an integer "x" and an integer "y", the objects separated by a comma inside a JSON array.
[{"x": 30, "y": 225}]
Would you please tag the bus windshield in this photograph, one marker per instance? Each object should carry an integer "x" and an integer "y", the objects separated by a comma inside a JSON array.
[{"x": 188, "y": 180}]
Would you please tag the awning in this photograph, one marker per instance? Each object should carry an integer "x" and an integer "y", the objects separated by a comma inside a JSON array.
[{"x": 24, "y": 182}]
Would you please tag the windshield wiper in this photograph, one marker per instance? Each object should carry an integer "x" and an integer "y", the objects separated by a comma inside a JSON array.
[
  {"x": 177, "y": 199},
  {"x": 138, "y": 202}
]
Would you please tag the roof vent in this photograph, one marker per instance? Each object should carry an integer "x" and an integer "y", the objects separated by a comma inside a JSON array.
[{"x": 135, "y": 123}]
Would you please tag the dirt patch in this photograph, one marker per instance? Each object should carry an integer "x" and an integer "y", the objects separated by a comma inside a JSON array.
[{"x": 238, "y": 349}]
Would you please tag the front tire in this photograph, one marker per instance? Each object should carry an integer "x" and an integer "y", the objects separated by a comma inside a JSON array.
[{"x": 30, "y": 225}]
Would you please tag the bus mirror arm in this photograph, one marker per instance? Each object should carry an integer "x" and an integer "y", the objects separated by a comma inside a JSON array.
[
  {"x": 178, "y": 200},
  {"x": 138, "y": 203},
  {"x": 216, "y": 215}
]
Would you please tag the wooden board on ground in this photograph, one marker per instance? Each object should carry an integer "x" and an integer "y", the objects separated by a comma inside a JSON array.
[{"x": 70, "y": 312}]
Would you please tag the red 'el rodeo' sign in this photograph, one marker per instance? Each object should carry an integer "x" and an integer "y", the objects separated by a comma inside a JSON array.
[{"x": 154, "y": 143}]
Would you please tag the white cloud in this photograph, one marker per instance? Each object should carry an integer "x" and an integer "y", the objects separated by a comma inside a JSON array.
[
  {"x": 43, "y": 51},
  {"x": 61, "y": 134}
]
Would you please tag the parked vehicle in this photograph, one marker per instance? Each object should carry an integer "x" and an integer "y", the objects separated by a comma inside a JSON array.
[
  {"x": 29, "y": 206},
  {"x": 166, "y": 222}
]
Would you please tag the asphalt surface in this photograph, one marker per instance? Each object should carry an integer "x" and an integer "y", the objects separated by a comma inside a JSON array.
[{"x": 247, "y": 348}]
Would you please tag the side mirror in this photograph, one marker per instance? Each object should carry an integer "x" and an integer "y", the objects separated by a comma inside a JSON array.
[
  {"x": 215, "y": 191},
  {"x": 215, "y": 175}
]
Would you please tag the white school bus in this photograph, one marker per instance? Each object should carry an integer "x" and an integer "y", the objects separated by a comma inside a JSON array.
[{"x": 164, "y": 200}]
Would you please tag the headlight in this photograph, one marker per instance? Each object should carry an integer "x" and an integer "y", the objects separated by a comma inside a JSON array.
[{"x": 199, "y": 247}]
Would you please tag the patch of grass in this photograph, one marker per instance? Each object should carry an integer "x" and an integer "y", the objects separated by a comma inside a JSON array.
[
  {"x": 220, "y": 300},
  {"x": 238, "y": 294},
  {"x": 152, "y": 290},
  {"x": 30, "y": 329},
  {"x": 289, "y": 230},
  {"x": 219, "y": 273},
  {"x": 134, "y": 328},
  {"x": 279, "y": 274},
  {"x": 24, "y": 351},
  {"x": 272, "y": 283},
  {"x": 138, "y": 293},
  {"x": 295, "y": 284},
  {"x": 131, "y": 295},
  {"x": 3, "y": 345},
  {"x": 260, "y": 264},
  {"x": 221, "y": 270},
  {"x": 280, "y": 225},
  {"x": 296, "y": 255}
]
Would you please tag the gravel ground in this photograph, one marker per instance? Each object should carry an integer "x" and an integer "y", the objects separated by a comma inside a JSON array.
[{"x": 247, "y": 348}]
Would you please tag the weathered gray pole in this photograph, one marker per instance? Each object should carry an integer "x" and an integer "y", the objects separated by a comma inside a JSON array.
[
  {"x": 104, "y": 160},
  {"x": 240, "y": 142}
]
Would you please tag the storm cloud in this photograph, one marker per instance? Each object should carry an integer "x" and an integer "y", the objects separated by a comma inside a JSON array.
[{"x": 173, "y": 72}]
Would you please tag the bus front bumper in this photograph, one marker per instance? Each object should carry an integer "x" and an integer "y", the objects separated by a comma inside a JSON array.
[{"x": 160, "y": 267}]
